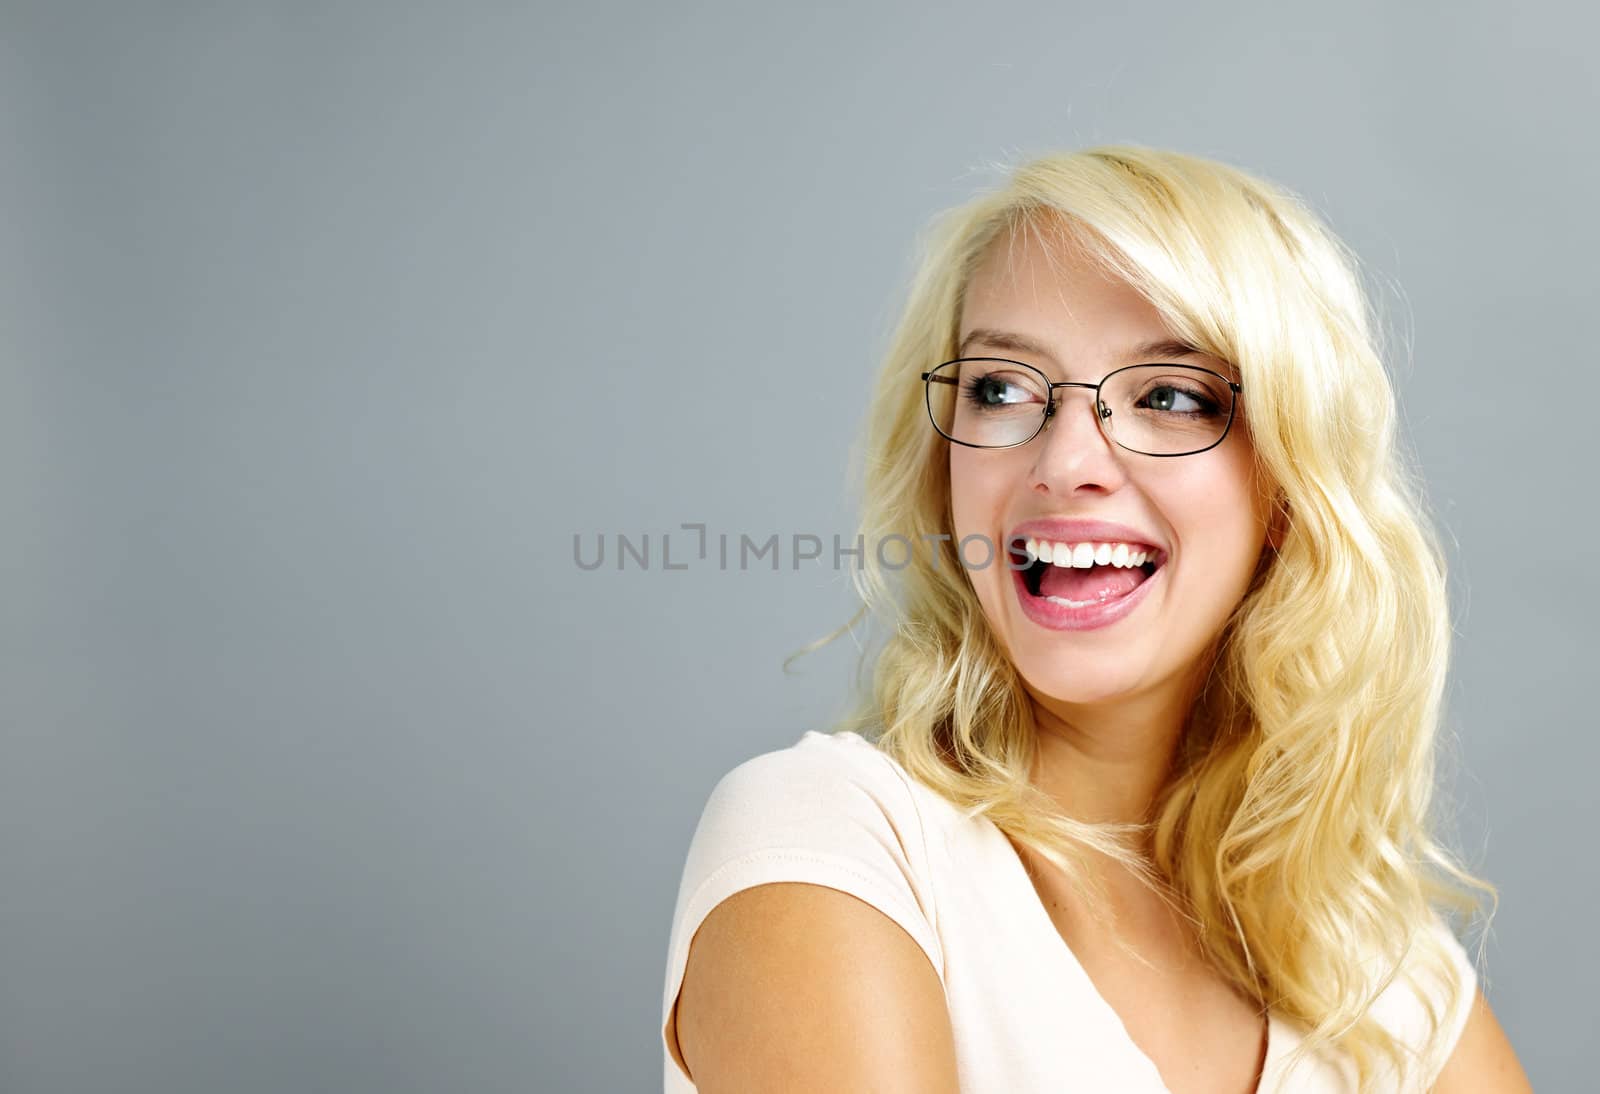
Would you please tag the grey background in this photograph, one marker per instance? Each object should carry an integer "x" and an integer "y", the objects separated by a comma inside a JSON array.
[{"x": 329, "y": 325}]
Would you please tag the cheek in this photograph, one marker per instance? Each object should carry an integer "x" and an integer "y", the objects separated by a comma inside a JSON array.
[
  {"x": 1221, "y": 517},
  {"x": 964, "y": 490},
  {"x": 977, "y": 508},
  {"x": 977, "y": 493}
]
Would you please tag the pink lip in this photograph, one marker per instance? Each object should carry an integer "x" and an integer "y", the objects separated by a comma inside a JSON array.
[
  {"x": 1061, "y": 617},
  {"x": 1084, "y": 531}
]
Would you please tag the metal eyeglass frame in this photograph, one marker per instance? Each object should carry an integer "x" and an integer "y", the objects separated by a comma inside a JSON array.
[{"x": 1101, "y": 411}]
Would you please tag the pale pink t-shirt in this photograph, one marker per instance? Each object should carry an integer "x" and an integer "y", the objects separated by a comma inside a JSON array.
[{"x": 835, "y": 810}]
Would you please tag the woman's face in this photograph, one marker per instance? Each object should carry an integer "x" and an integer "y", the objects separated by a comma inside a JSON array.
[{"x": 1206, "y": 515}]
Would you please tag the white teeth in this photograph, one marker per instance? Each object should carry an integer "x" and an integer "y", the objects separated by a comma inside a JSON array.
[{"x": 1084, "y": 555}]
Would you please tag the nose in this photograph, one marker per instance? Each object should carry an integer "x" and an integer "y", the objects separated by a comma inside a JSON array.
[{"x": 1074, "y": 453}]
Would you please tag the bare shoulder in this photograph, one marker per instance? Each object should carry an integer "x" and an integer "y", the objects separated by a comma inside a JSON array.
[
  {"x": 1483, "y": 1061},
  {"x": 800, "y": 987}
]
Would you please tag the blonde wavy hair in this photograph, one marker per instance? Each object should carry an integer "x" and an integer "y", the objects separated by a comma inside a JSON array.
[{"x": 1295, "y": 829}]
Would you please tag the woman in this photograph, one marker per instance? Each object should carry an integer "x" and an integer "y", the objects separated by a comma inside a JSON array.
[{"x": 1145, "y": 801}]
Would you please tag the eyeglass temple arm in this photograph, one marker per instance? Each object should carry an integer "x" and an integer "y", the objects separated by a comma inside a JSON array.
[{"x": 940, "y": 379}]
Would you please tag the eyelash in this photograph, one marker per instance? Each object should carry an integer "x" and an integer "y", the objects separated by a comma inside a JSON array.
[{"x": 971, "y": 392}]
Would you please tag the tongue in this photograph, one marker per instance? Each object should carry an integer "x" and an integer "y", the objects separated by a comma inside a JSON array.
[{"x": 1096, "y": 584}]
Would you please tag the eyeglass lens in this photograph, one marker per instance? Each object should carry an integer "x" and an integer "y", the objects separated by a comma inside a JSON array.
[{"x": 1157, "y": 409}]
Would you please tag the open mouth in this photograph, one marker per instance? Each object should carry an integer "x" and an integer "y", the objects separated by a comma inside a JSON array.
[{"x": 1082, "y": 586}]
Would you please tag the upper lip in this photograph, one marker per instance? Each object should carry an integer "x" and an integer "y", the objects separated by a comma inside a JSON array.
[{"x": 1084, "y": 531}]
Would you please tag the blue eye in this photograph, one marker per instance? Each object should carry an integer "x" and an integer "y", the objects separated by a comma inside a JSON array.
[
  {"x": 996, "y": 389},
  {"x": 1165, "y": 398}
]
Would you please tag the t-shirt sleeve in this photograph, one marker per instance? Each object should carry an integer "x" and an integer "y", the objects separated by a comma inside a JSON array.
[
  {"x": 830, "y": 811},
  {"x": 1403, "y": 1008}
]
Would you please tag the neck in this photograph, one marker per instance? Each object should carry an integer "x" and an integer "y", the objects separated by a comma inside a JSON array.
[{"x": 1107, "y": 762}]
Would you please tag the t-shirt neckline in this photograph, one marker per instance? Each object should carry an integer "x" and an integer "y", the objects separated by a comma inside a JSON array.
[
  {"x": 1051, "y": 940},
  {"x": 1045, "y": 926}
]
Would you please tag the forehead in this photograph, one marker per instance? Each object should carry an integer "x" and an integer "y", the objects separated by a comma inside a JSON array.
[
  {"x": 1053, "y": 281},
  {"x": 1051, "y": 302}
]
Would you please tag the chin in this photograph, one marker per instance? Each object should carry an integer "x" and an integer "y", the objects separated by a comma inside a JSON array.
[{"x": 1082, "y": 681}]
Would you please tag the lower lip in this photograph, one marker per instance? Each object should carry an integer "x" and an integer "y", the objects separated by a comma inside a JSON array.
[{"x": 1060, "y": 617}]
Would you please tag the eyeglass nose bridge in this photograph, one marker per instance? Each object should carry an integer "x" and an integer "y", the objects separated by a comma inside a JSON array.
[{"x": 1101, "y": 410}]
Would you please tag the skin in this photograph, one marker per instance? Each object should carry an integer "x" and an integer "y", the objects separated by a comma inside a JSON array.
[
  {"x": 799, "y": 987},
  {"x": 1109, "y": 704}
]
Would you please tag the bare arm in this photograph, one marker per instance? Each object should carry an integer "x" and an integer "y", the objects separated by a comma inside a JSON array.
[
  {"x": 1482, "y": 1061},
  {"x": 798, "y": 987}
]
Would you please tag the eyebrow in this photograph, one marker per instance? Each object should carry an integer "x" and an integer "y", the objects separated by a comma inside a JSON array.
[{"x": 999, "y": 339}]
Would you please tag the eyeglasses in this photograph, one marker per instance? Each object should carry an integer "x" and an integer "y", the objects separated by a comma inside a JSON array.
[{"x": 1154, "y": 410}]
